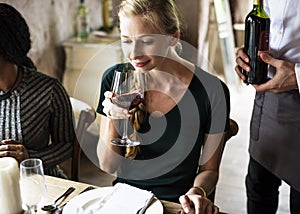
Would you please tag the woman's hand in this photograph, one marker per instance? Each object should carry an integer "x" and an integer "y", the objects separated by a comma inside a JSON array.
[
  {"x": 12, "y": 148},
  {"x": 111, "y": 110},
  {"x": 201, "y": 204}
]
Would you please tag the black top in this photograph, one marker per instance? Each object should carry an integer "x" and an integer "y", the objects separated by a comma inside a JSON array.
[{"x": 171, "y": 145}]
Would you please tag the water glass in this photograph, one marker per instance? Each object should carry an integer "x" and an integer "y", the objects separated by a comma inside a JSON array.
[{"x": 32, "y": 184}]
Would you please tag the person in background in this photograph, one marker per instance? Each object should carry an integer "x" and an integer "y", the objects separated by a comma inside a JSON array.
[
  {"x": 275, "y": 125},
  {"x": 36, "y": 118},
  {"x": 184, "y": 115}
]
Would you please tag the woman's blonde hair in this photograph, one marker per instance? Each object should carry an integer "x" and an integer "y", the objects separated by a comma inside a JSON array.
[{"x": 161, "y": 15}]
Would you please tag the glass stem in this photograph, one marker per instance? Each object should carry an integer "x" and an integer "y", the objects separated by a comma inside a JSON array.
[
  {"x": 31, "y": 209},
  {"x": 125, "y": 129}
]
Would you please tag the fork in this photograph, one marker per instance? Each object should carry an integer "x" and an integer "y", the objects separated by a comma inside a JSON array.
[
  {"x": 60, "y": 209},
  {"x": 146, "y": 205}
]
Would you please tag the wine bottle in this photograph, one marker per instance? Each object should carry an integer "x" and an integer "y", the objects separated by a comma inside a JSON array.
[
  {"x": 257, "y": 30},
  {"x": 83, "y": 28},
  {"x": 107, "y": 15}
]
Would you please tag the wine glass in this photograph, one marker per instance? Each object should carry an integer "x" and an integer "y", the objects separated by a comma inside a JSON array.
[
  {"x": 128, "y": 89},
  {"x": 32, "y": 184}
]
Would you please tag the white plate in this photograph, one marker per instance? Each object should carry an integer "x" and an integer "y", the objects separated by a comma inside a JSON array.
[{"x": 90, "y": 198}]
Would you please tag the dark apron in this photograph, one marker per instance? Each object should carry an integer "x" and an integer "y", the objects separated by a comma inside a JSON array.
[{"x": 275, "y": 134}]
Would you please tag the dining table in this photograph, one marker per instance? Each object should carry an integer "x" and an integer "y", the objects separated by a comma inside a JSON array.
[{"x": 56, "y": 186}]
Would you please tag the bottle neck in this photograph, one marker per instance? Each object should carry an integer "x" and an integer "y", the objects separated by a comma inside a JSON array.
[
  {"x": 258, "y": 5},
  {"x": 258, "y": 2}
]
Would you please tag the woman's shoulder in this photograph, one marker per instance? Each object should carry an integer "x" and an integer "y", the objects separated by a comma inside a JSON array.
[
  {"x": 33, "y": 77},
  {"x": 212, "y": 84},
  {"x": 209, "y": 80},
  {"x": 31, "y": 74},
  {"x": 205, "y": 75}
]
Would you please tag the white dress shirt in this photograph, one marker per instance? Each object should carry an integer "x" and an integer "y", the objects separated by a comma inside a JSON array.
[{"x": 284, "y": 31}]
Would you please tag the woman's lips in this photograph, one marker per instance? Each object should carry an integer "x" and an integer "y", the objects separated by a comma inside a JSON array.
[{"x": 140, "y": 64}]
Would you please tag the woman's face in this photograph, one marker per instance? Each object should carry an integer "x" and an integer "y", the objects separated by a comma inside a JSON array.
[{"x": 144, "y": 47}]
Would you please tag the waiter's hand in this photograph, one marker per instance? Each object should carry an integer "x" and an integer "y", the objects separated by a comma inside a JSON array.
[
  {"x": 242, "y": 61},
  {"x": 284, "y": 78},
  {"x": 12, "y": 148}
]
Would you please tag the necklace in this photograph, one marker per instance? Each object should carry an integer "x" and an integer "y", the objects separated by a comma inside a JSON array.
[{"x": 7, "y": 94}]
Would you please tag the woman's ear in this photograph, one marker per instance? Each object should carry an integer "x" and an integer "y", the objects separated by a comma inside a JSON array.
[{"x": 175, "y": 38}]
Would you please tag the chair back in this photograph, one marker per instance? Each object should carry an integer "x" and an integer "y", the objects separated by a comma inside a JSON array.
[
  {"x": 233, "y": 130},
  {"x": 84, "y": 115}
]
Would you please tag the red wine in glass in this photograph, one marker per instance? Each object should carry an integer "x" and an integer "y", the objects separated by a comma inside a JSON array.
[{"x": 128, "y": 94}]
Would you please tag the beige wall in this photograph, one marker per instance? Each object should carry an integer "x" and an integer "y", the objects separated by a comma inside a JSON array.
[
  {"x": 50, "y": 23},
  {"x": 53, "y": 21}
]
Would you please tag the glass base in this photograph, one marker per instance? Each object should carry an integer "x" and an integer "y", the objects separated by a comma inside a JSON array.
[{"x": 124, "y": 142}]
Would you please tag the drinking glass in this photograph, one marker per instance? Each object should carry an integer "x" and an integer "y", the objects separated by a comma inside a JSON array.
[
  {"x": 32, "y": 184},
  {"x": 128, "y": 89}
]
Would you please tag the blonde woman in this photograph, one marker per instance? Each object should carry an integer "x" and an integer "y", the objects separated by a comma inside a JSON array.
[{"x": 184, "y": 114}]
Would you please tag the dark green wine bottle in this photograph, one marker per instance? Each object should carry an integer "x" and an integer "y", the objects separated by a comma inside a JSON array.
[{"x": 257, "y": 30}]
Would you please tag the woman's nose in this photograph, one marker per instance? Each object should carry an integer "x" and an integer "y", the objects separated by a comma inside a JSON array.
[{"x": 136, "y": 50}]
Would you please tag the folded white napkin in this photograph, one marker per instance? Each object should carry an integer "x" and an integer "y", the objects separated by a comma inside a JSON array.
[{"x": 124, "y": 199}]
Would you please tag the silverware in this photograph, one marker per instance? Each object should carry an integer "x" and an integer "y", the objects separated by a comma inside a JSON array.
[
  {"x": 60, "y": 209},
  {"x": 146, "y": 205},
  {"x": 52, "y": 207},
  {"x": 87, "y": 189}
]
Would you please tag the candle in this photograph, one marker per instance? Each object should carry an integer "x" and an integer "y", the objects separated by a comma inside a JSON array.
[{"x": 10, "y": 197}]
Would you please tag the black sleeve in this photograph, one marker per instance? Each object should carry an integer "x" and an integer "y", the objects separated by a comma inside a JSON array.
[
  {"x": 220, "y": 110},
  {"x": 218, "y": 99}
]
